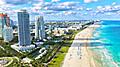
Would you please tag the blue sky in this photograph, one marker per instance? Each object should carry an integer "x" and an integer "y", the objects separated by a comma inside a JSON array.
[{"x": 63, "y": 9}]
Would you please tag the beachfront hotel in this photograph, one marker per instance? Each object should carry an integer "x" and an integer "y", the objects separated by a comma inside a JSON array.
[
  {"x": 4, "y": 21},
  {"x": 39, "y": 28},
  {"x": 23, "y": 28}
]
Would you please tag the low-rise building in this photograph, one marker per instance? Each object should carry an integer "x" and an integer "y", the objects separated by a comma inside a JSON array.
[{"x": 60, "y": 31}]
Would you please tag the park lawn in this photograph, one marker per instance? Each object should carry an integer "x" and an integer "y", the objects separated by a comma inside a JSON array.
[
  {"x": 59, "y": 58},
  {"x": 57, "y": 61},
  {"x": 64, "y": 49}
]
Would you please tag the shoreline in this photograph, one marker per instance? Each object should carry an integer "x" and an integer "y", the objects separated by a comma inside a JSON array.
[
  {"x": 105, "y": 57},
  {"x": 104, "y": 54},
  {"x": 88, "y": 57},
  {"x": 85, "y": 57}
]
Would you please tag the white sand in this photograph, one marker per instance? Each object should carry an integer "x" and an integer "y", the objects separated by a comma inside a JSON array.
[{"x": 72, "y": 58}]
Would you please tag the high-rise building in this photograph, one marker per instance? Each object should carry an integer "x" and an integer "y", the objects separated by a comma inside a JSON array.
[
  {"x": 7, "y": 34},
  {"x": 12, "y": 23},
  {"x": 4, "y": 21},
  {"x": 39, "y": 28},
  {"x": 23, "y": 28}
]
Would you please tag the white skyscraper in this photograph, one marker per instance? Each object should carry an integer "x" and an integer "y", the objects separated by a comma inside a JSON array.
[
  {"x": 39, "y": 28},
  {"x": 7, "y": 34}
]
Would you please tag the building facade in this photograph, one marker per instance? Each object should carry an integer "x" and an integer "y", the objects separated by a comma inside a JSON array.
[
  {"x": 23, "y": 28},
  {"x": 7, "y": 34},
  {"x": 4, "y": 21},
  {"x": 39, "y": 28}
]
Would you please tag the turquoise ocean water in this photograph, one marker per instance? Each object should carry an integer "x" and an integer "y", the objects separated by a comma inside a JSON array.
[{"x": 109, "y": 35}]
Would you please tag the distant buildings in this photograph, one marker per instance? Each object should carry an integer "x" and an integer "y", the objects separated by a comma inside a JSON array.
[
  {"x": 39, "y": 28},
  {"x": 8, "y": 34},
  {"x": 4, "y": 21},
  {"x": 60, "y": 31},
  {"x": 75, "y": 27},
  {"x": 50, "y": 28},
  {"x": 23, "y": 28}
]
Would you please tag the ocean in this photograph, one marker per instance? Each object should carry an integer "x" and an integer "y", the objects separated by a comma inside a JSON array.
[{"x": 109, "y": 36}]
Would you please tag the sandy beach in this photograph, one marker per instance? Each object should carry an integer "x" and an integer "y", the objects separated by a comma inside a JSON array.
[{"x": 79, "y": 54}]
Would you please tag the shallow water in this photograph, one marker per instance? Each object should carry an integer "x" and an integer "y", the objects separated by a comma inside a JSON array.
[{"x": 109, "y": 35}]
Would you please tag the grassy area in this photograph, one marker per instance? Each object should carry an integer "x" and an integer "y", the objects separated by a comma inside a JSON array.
[
  {"x": 9, "y": 52},
  {"x": 49, "y": 54},
  {"x": 64, "y": 49},
  {"x": 57, "y": 61}
]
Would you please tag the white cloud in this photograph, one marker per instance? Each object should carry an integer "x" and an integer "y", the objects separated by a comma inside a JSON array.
[
  {"x": 99, "y": 7},
  {"x": 80, "y": 8},
  {"x": 58, "y": 8},
  {"x": 6, "y": 8},
  {"x": 2, "y": 2},
  {"x": 88, "y": 9},
  {"x": 67, "y": 12},
  {"x": 69, "y": 3},
  {"x": 89, "y": 1},
  {"x": 37, "y": 5},
  {"x": 62, "y": 6},
  {"x": 108, "y": 13},
  {"x": 19, "y": 2},
  {"x": 55, "y": 0},
  {"x": 114, "y": 3},
  {"x": 108, "y": 8},
  {"x": 117, "y": 7}
]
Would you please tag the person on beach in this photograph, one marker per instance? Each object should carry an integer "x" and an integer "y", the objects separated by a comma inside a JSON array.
[
  {"x": 70, "y": 56},
  {"x": 80, "y": 57},
  {"x": 78, "y": 53},
  {"x": 78, "y": 48}
]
